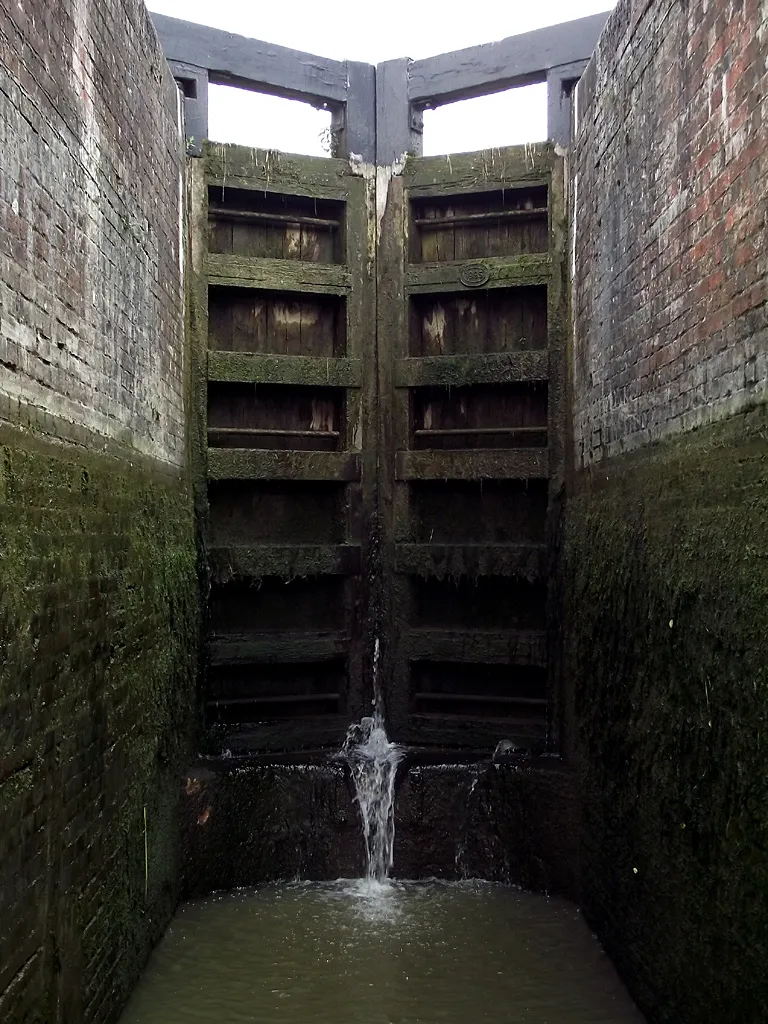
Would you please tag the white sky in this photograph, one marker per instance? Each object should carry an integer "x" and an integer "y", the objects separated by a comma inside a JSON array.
[{"x": 353, "y": 30}]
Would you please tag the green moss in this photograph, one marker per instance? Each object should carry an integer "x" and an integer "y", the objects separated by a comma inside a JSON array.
[
  {"x": 99, "y": 625},
  {"x": 241, "y": 166},
  {"x": 290, "y": 561},
  {"x": 667, "y": 592},
  {"x": 458, "y": 371},
  {"x": 257, "y": 464},
  {"x": 454, "y": 561},
  {"x": 309, "y": 371}
]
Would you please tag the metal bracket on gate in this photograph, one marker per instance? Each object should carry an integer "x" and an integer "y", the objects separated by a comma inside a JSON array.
[{"x": 474, "y": 275}]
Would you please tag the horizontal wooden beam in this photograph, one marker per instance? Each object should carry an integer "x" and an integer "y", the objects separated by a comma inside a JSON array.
[
  {"x": 269, "y": 464},
  {"x": 229, "y": 166},
  {"x": 481, "y": 646},
  {"x": 261, "y": 433},
  {"x": 486, "y": 170},
  {"x": 272, "y": 699},
  {"x": 311, "y": 371},
  {"x": 454, "y": 371},
  {"x": 503, "y": 272},
  {"x": 517, "y": 60},
  {"x": 232, "y": 59},
  {"x": 475, "y": 732},
  {"x": 526, "y": 560},
  {"x": 276, "y": 648},
  {"x": 277, "y": 275},
  {"x": 470, "y": 220},
  {"x": 310, "y": 732},
  {"x": 476, "y": 464},
  {"x": 240, "y": 561},
  {"x": 451, "y": 698},
  {"x": 224, "y": 213}
]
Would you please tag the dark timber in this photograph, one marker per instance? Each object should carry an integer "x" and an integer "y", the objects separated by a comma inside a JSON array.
[
  {"x": 377, "y": 111},
  {"x": 471, "y": 409},
  {"x": 518, "y": 60},
  {"x": 284, "y": 331},
  {"x": 236, "y": 60},
  {"x": 379, "y": 365}
]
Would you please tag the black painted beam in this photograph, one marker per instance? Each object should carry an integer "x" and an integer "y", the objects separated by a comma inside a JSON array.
[
  {"x": 399, "y": 125},
  {"x": 518, "y": 60},
  {"x": 251, "y": 63},
  {"x": 560, "y": 84},
  {"x": 193, "y": 82},
  {"x": 357, "y": 133},
  {"x": 377, "y": 111}
]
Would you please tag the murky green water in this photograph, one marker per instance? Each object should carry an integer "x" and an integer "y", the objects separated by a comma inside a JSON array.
[{"x": 419, "y": 953}]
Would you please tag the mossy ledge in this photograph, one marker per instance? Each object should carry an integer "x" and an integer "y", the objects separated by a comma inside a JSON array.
[{"x": 666, "y": 574}]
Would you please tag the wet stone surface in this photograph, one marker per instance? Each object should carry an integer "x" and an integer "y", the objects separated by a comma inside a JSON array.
[{"x": 247, "y": 822}]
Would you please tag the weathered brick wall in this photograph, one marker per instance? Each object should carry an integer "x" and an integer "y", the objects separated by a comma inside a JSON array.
[
  {"x": 98, "y": 595},
  {"x": 666, "y": 524},
  {"x": 671, "y": 237},
  {"x": 90, "y": 181}
]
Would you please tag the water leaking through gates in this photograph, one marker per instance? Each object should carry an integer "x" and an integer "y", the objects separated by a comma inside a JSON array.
[
  {"x": 377, "y": 951},
  {"x": 433, "y": 408},
  {"x": 373, "y": 762}
]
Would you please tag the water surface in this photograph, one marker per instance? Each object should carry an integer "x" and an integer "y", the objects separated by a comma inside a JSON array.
[{"x": 361, "y": 953}]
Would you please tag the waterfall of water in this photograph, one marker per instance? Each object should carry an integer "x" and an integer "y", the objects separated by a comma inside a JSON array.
[{"x": 373, "y": 761}]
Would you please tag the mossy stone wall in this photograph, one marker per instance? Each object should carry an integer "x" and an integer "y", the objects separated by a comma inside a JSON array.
[
  {"x": 98, "y": 642},
  {"x": 666, "y": 569}
]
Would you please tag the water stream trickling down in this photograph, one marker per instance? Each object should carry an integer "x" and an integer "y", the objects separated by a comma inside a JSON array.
[
  {"x": 375, "y": 951},
  {"x": 373, "y": 761}
]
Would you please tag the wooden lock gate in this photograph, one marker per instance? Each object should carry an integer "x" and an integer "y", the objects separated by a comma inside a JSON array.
[{"x": 378, "y": 351}]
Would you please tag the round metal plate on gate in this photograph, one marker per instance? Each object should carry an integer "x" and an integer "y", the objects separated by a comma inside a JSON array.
[{"x": 474, "y": 275}]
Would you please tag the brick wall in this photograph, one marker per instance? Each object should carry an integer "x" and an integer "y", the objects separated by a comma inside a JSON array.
[
  {"x": 666, "y": 521},
  {"x": 98, "y": 585},
  {"x": 90, "y": 179},
  {"x": 671, "y": 236}
]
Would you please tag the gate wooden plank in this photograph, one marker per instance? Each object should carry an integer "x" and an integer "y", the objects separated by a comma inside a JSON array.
[
  {"x": 491, "y": 368},
  {"x": 454, "y": 560},
  {"x": 482, "y": 464},
  {"x": 277, "y": 274},
  {"x": 229, "y": 166},
  {"x": 476, "y": 732},
  {"x": 503, "y": 272},
  {"x": 311, "y": 371},
  {"x": 267, "y": 464},
  {"x": 506, "y": 647},
  {"x": 242, "y": 561},
  {"x": 245, "y": 649},
  {"x": 486, "y": 170},
  {"x": 301, "y": 734}
]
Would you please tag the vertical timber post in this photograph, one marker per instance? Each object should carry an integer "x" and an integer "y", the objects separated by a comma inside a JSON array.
[
  {"x": 399, "y": 130},
  {"x": 559, "y": 718},
  {"x": 399, "y": 125},
  {"x": 357, "y": 117},
  {"x": 193, "y": 82},
  {"x": 560, "y": 84}
]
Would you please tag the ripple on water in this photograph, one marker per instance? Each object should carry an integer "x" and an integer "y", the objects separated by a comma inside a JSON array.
[{"x": 368, "y": 952}]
